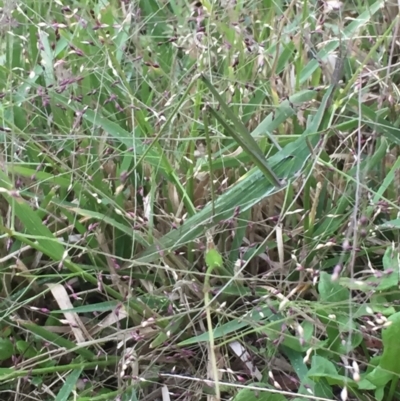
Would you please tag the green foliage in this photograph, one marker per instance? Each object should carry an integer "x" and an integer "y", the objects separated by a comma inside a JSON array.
[
  {"x": 250, "y": 395},
  {"x": 188, "y": 191}
]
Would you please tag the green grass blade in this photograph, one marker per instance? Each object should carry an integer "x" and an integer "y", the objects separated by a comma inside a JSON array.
[
  {"x": 256, "y": 156},
  {"x": 69, "y": 385},
  {"x": 251, "y": 189}
]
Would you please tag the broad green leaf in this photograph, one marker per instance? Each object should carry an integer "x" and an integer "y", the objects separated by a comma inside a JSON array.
[
  {"x": 380, "y": 304},
  {"x": 323, "y": 389},
  {"x": 26, "y": 349},
  {"x": 331, "y": 291},
  {"x": 6, "y": 349},
  {"x": 377, "y": 378},
  {"x": 213, "y": 258},
  {"x": 297, "y": 361},
  {"x": 300, "y": 368},
  {"x": 365, "y": 384},
  {"x": 391, "y": 260},
  {"x": 379, "y": 393},
  {"x": 332, "y": 330},
  {"x": 322, "y": 368},
  {"x": 322, "y": 365},
  {"x": 332, "y": 379},
  {"x": 391, "y": 345}
]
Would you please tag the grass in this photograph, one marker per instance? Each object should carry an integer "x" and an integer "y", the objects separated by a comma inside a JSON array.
[{"x": 199, "y": 200}]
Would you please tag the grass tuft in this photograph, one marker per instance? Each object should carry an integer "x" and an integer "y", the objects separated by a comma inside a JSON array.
[{"x": 199, "y": 200}]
